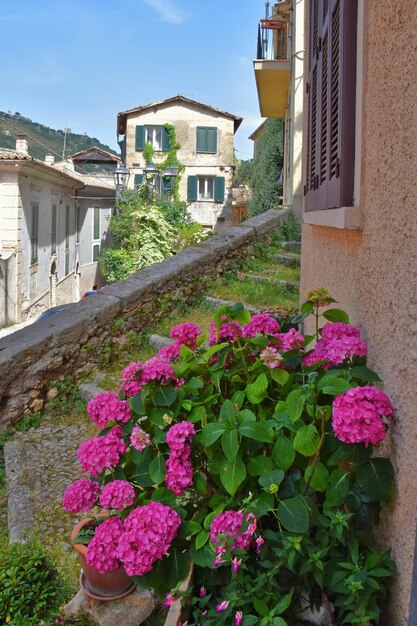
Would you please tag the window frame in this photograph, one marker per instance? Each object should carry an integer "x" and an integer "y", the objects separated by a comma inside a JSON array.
[
  {"x": 77, "y": 223},
  {"x": 206, "y": 179},
  {"x": 54, "y": 227},
  {"x": 206, "y": 129},
  {"x": 154, "y": 128},
  {"x": 34, "y": 232},
  {"x": 96, "y": 228}
]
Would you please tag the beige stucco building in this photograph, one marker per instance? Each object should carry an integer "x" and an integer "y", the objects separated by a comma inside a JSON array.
[
  {"x": 206, "y": 138},
  {"x": 279, "y": 75},
  {"x": 53, "y": 223},
  {"x": 362, "y": 243}
]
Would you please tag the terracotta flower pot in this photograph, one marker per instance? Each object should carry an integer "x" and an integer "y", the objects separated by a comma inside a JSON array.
[{"x": 110, "y": 585}]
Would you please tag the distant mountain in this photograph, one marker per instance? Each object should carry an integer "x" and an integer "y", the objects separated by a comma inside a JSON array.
[{"x": 12, "y": 124}]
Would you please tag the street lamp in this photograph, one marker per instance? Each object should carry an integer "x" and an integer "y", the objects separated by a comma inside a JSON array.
[
  {"x": 121, "y": 177},
  {"x": 168, "y": 177},
  {"x": 152, "y": 174}
]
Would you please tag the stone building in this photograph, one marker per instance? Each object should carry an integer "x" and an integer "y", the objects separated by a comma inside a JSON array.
[
  {"x": 206, "y": 137},
  {"x": 53, "y": 223}
]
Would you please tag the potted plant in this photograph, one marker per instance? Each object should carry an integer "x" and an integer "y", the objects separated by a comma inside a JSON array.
[{"x": 252, "y": 459}]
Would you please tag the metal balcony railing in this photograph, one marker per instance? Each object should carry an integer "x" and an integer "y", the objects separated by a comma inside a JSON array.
[{"x": 272, "y": 39}]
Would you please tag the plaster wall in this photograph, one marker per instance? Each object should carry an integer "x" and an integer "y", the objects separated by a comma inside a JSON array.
[
  {"x": 372, "y": 272},
  {"x": 186, "y": 118}
]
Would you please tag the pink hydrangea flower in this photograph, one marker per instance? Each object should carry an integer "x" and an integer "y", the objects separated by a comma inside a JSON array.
[
  {"x": 186, "y": 334},
  {"x": 157, "y": 370},
  {"x": 98, "y": 453},
  {"x": 262, "y": 323},
  {"x": 339, "y": 342},
  {"x": 139, "y": 439},
  {"x": 179, "y": 469},
  {"x": 358, "y": 415},
  {"x": 81, "y": 495},
  {"x": 169, "y": 353},
  {"x": 271, "y": 357},
  {"x": 117, "y": 495},
  {"x": 131, "y": 378},
  {"x": 291, "y": 340},
  {"x": 149, "y": 532},
  {"x": 228, "y": 525},
  {"x": 106, "y": 407},
  {"x": 102, "y": 549},
  {"x": 228, "y": 331}
]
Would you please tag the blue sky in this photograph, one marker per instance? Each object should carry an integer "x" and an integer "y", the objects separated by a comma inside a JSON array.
[{"x": 76, "y": 63}]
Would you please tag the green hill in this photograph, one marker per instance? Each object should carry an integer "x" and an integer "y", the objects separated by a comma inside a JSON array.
[{"x": 38, "y": 134}]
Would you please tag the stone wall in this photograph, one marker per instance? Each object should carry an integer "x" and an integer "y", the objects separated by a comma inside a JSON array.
[{"x": 68, "y": 343}]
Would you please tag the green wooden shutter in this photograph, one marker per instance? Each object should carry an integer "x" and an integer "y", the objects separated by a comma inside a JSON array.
[
  {"x": 165, "y": 140},
  {"x": 219, "y": 186},
  {"x": 138, "y": 181},
  {"x": 192, "y": 188},
  {"x": 212, "y": 140},
  {"x": 201, "y": 139},
  {"x": 140, "y": 138}
]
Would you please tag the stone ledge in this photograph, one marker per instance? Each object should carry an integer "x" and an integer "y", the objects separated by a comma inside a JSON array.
[{"x": 132, "y": 610}]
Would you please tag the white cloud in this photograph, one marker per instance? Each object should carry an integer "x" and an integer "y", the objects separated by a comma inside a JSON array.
[{"x": 167, "y": 11}]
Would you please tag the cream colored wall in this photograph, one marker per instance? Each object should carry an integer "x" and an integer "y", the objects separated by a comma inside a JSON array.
[
  {"x": 186, "y": 118},
  {"x": 373, "y": 272}
]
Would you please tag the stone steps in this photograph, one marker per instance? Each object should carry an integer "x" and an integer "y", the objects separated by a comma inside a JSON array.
[
  {"x": 292, "y": 246},
  {"x": 217, "y": 302},
  {"x": 289, "y": 261},
  {"x": 288, "y": 284},
  {"x": 160, "y": 341}
]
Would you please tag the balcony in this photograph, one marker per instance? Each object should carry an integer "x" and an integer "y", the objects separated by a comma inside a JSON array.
[{"x": 272, "y": 63}]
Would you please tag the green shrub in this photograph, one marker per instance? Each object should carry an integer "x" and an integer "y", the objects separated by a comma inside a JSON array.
[{"x": 30, "y": 587}]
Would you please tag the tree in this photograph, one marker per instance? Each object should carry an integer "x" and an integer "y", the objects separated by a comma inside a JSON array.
[{"x": 267, "y": 167}]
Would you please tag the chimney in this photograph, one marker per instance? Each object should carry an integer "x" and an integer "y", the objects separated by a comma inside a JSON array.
[
  {"x": 22, "y": 144},
  {"x": 49, "y": 159}
]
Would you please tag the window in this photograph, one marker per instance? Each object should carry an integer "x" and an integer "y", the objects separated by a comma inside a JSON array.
[
  {"x": 206, "y": 140},
  {"x": 67, "y": 227},
  {"x": 67, "y": 258},
  {"x": 206, "y": 188},
  {"x": 77, "y": 223},
  {"x": 34, "y": 232},
  {"x": 53, "y": 229},
  {"x": 331, "y": 104},
  {"x": 96, "y": 233},
  {"x": 157, "y": 136}
]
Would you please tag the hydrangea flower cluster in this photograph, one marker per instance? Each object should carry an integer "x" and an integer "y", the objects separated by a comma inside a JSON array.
[
  {"x": 339, "y": 341},
  {"x": 291, "y": 340},
  {"x": 148, "y": 534},
  {"x": 102, "y": 549},
  {"x": 186, "y": 334},
  {"x": 106, "y": 407},
  {"x": 97, "y": 453},
  {"x": 117, "y": 495},
  {"x": 357, "y": 415},
  {"x": 81, "y": 495},
  {"x": 169, "y": 353},
  {"x": 262, "y": 323},
  {"x": 228, "y": 525},
  {"x": 139, "y": 439},
  {"x": 271, "y": 357},
  {"x": 179, "y": 472},
  {"x": 157, "y": 369},
  {"x": 228, "y": 331},
  {"x": 131, "y": 381}
]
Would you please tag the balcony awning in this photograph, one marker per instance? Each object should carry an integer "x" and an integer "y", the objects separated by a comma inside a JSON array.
[{"x": 272, "y": 83}]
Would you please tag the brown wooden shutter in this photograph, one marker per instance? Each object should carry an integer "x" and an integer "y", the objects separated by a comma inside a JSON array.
[{"x": 331, "y": 104}]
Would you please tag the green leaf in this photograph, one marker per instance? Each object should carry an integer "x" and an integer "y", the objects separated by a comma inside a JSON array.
[
  {"x": 166, "y": 572},
  {"x": 138, "y": 402},
  {"x": 187, "y": 405},
  {"x": 376, "y": 478},
  {"x": 228, "y": 412},
  {"x": 200, "y": 483},
  {"x": 203, "y": 557},
  {"x": 214, "y": 349},
  {"x": 165, "y": 396},
  {"x": 261, "y": 384},
  {"x": 232, "y": 474},
  {"x": 362, "y": 372},
  {"x": 260, "y": 606},
  {"x": 283, "y": 604},
  {"x": 212, "y": 432},
  {"x": 249, "y": 620},
  {"x": 201, "y": 539},
  {"x": 283, "y": 453},
  {"x": 278, "y": 621},
  {"x": 257, "y": 431},
  {"x": 259, "y": 465},
  {"x": 271, "y": 479},
  {"x": 246, "y": 416},
  {"x": 185, "y": 352},
  {"x": 333, "y": 385},
  {"x": 280, "y": 376},
  {"x": 320, "y": 477},
  {"x": 338, "y": 487},
  {"x": 230, "y": 443},
  {"x": 157, "y": 469},
  {"x": 293, "y": 515},
  {"x": 336, "y": 315},
  {"x": 198, "y": 414},
  {"x": 295, "y": 403},
  {"x": 307, "y": 440},
  {"x": 164, "y": 496}
]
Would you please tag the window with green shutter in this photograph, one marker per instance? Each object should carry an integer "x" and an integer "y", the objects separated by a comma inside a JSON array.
[
  {"x": 219, "y": 188},
  {"x": 34, "y": 233},
  {"x": 140, "y": 138},
  {"x": 192, "y": 188},
  {"x": 138, "y": 180},
  {"x": 206, "y": 140},
  {"x": 53, "y": 229}
]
